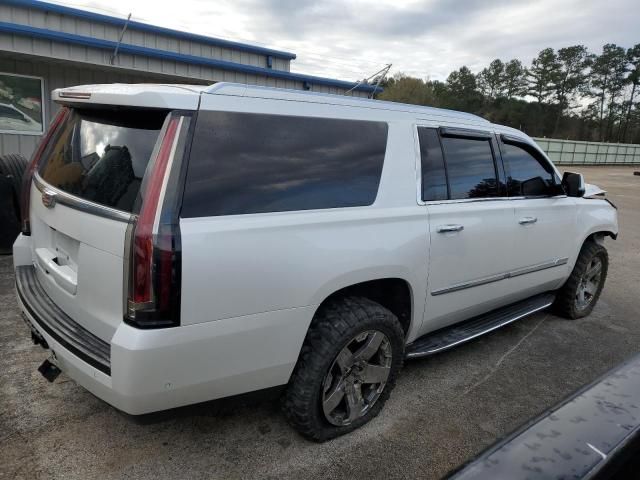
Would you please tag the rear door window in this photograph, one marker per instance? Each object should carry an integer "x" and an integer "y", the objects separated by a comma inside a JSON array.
[
  {"x": 470, "y": 167},
  {"x": 255, "y": 163},
  {"x": 101, "y": 155},
  {"x": 457, "y": 165}
]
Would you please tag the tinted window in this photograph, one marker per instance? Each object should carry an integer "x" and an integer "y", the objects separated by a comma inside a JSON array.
[
  {"x": 251, "y": 163},
  {"x": 470, "y": 167},
  {"x": 434, "y": 179},
  {"x": 526, "y": 175},
  {"x": 101, "y": 156}
]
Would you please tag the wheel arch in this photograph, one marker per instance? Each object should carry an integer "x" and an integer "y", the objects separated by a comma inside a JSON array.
[
  {"x": 596, "y": 235},
  {"x": 393, "y": 293},
  {"x": 599, "y": 235}
]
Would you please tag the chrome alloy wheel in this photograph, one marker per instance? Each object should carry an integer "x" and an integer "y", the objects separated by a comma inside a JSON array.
[
  {"x": 356, "y": 378},
  {"x": 589, "y": 283}
]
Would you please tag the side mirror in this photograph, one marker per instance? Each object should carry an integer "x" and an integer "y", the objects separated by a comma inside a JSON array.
[{"x": 573, "y": 184}]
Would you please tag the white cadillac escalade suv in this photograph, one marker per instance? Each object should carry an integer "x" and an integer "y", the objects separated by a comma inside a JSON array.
[{"x": 185, "y": 243}]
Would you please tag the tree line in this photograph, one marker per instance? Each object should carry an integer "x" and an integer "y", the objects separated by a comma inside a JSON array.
[{"x": 567, "y": 93}]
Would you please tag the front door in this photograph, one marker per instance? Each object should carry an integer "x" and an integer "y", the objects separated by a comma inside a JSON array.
[
  {"x": 470, "y": 225},
  {"x": 545, "y": 218}
]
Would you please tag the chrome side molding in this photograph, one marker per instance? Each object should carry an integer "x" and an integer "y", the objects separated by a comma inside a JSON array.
[{"x": 501, "y": 276}]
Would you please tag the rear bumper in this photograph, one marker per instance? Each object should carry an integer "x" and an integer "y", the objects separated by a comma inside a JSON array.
[
  {"x": 152, "y": 370},
  {"x": 46, "y": 316}
]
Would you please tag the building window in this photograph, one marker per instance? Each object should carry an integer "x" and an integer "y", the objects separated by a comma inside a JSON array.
[{"x": 21, "y": 104}]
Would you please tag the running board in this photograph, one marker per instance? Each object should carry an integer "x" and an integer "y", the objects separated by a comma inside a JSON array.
[{"x": 449, "y": 337}]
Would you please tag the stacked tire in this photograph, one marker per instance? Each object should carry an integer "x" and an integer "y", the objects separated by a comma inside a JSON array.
[{"x": 12, "y": 167}]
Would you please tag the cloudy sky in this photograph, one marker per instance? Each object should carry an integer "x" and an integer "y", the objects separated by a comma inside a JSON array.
[{"x": 425, "y": 38}]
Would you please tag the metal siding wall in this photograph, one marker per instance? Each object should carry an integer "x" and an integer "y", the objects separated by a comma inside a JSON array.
[
  {"x": 79, "y": 26},
  {"x": 569, "y": 152},
  {"x": 146, "y": 66},
  {"x": 20, "y": 44}
]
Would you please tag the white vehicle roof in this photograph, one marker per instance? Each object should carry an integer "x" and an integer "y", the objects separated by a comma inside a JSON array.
[{"x": 177, "y": 96}]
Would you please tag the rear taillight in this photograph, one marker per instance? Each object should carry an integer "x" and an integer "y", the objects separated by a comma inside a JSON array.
[
  {"x": 25, "y": 193},
  {"x": 154, "y": 257}
]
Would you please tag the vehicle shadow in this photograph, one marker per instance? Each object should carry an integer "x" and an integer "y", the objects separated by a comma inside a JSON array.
[{"x": 237, "y": 405}]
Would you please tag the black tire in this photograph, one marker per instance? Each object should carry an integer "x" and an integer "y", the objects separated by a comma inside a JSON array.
[
  {"x": 566, "y": 304},
  {"x": 13, "y": 166},
  {"x": 333, "y": 328}
]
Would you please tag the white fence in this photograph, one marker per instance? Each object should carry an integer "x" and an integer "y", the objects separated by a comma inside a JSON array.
[{"x": 570, "y": 152}]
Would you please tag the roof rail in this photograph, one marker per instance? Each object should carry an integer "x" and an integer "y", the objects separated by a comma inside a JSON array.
[{"x": 241, "y": 89}]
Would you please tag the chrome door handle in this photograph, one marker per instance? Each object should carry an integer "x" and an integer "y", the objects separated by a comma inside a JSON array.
[
  {"x": 449, "y": 228},
  {"x": 527, "y": 220}
]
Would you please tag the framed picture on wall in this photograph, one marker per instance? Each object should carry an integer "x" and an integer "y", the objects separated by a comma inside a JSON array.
[{"x": 21, "y": 104}]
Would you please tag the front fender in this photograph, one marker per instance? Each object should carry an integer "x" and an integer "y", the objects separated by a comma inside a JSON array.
[{"x": 594, "y": 216}]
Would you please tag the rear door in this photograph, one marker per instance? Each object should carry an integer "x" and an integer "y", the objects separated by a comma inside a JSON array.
[
  {"x": 470, "y": 224},
  {"x": 84, "y": 193},
  {"x": 544, "y": 217}
]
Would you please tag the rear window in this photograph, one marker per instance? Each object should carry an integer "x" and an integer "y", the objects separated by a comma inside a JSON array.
[
  {"x": 254, "y": 163},
  {"x": 101, "y": 155}
]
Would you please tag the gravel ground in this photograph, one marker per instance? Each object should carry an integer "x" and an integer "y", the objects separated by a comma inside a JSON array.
[{"x": 444, "y": 410}]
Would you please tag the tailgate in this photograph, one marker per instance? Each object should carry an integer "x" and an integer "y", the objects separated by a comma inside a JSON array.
[{"x": 83, "y": 196}]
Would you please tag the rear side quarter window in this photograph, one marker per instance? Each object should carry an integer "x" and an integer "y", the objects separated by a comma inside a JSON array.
[{"x": 243, "y": 163}]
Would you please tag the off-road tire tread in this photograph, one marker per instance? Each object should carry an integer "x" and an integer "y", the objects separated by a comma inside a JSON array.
[
  {"x": 13, "y": 165},
  {"x": 564, "y": 304},
  {"x": 334, "y": 325}
]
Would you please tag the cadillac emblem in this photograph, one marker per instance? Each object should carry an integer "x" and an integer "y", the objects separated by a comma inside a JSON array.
[{"x": 48, "y": 198}]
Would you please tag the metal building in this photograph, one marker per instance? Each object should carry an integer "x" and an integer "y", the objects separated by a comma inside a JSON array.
[{"x": 45, "y": 46}]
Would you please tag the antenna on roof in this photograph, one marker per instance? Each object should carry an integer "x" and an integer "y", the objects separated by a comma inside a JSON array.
[
  {"x": 378, "y": 76},
  {"x": 124, "y": 29}
]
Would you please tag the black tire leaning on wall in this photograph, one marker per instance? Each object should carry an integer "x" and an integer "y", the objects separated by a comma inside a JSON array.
[{"x": 12, "y": 167}]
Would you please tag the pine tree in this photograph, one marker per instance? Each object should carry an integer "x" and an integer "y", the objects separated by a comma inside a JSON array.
[
  {"x": 570, "y": 78},
  {"x": 633, "y": 57},
  {"x": 515, "y": 79},
  {"x": 607, "y": 81},
  {"x": 491, "y": 80},
  {"x": 462, "y": 90},
  {"x": 541, "y": 75}
]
